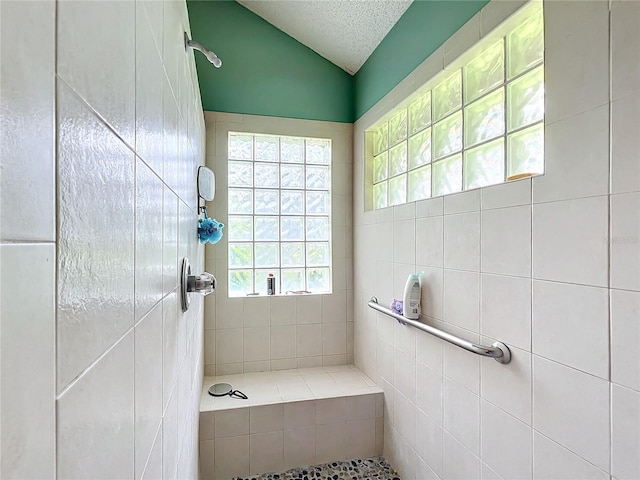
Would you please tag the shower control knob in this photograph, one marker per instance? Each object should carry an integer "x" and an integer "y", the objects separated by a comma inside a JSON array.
[{"x": 205, "y": 283}]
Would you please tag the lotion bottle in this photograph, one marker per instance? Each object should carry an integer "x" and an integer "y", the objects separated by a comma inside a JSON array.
[{"x": 411, "y": 297}]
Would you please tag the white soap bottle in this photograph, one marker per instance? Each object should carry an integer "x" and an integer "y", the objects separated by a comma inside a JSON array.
[{"x": 411, "y": 297}]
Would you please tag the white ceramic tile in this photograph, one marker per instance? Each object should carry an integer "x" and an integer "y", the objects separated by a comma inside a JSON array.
[
  {"x": 404, "y": 241},
  {"x": 572, "y": 408},
  {"x": 404, "y": 373},
  {"x": 334, "y": 307},
  {"x": 307, "y": 340},
  {"x": 170, "y": 346},
  {"x": 625, "y": 59},
  {"x": 459, "y": 462},
  {"x": 429, "y": 349},
  {"x": 300, "y": 446},
  {"x": 625, "y": 241},
  {"x": 432, "y": 292},
  {"x": 570, "y": 241},
  {"x": 429, "y": 242},
  {"x": 406, "y": 211},
  {"x": 429, "y": 391},
  {"x": 625, "y": 434},
  {"x": 552, "y": 461},
  {"x": 256, "y": 312},
  {"x": 576, "y": 48},
  {"x": 153, "y": 469},
  {"x": 576, "y": 158},
  {"x": 361, "y": 407},
  {"x": 331, "y": 442},
  {"x": 462, "y": 299},
  {"x": 170, "y": 241},
  {"x": 309, "y": 309},
  {"x": 207, "y": 457},
  {"x": 509, "y": 386},
  {"x": 229, "y": 345},
  {"x": 232, "y": 457},
  {"x": 510, "y": 194},
  {"x": 256, "y": 346},
  {"x": 459, "y": 365},
  {"x": 506, "y": 241},
  {"x": 28, "y": 122},
  {"x": 299, "y": 414},
  {"x": 268, "y": 418},
  {"x": 462, "y": 241},
  {"x": 105, "y": 78},
  {"x": 28, "y": 354},
  {"x": 170, "y": 439},
  {"x": 404, "y": 417},
  {"x": 429, "y": 442},
  {"x": 170, "y": 137},
  {"x": 209, "y": 347},
  {"x": 95, "y": 294},
  {"x": 231, "y": 423},
  {"x": 283, "y": 342},
  {"x": 404, "y": 339},
  {"x": 566, "y": 318},
  {"x": 148, "y": 385},
  {"x": 430, "y": 207},
  {"x": 283, "y": 311},
  {"x": 331, "y": 410},
  {"x": 266, "y": 452},
  {"x": 505, "y": 309},
  {"x": 85, "y": 443},
  {"x": 625, "y": 124},
  {"x": 360, "y": 439},
  {"x": 229, "y": 312},
  {"x": 462, "y": 415},
  {"x": 510, "y": 453},
  {"x": 625, "y": 338},
  {"x": 462, "y": 202},
  {"x": 334, "y": 338},
  {"x": 148, "y": 229}
]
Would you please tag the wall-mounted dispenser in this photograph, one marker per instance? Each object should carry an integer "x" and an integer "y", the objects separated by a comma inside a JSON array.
[{"x": 205, "y": 283}]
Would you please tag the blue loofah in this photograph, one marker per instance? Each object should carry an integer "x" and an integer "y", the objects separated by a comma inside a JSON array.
[{"x": 209, "y": 229}]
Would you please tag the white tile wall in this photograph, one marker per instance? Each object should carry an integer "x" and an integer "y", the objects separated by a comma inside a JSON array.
[
  {"x": 120, "y": 398},
  {"x": 556, "y": 261},
  {"x": 301, "y": 331}
]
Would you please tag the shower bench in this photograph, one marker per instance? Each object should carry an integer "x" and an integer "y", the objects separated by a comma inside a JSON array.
[{"x": 292, "y": 418}]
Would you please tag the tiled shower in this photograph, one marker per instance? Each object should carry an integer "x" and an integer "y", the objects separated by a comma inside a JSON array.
[{"x": 101, "y": 371}]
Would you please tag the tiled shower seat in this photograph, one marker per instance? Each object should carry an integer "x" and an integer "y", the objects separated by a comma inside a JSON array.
[{"x": 292, "y": 418}]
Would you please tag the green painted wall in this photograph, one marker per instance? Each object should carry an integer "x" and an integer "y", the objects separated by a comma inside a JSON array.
[
  {"x": 264, "y": 71},
  {"x": 420, "y": 31}
]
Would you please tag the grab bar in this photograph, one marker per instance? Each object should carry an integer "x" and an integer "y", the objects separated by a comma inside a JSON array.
[{"x": 498, "y": 350}]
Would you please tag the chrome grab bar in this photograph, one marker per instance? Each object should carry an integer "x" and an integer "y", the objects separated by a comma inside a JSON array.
[{"x": 498, "y": 350}]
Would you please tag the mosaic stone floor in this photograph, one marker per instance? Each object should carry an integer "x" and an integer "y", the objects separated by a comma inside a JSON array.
[{"x": 375, "y": 468}]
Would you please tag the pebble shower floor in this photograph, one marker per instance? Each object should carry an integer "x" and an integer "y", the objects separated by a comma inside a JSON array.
[{"x": 360, "y": 469}]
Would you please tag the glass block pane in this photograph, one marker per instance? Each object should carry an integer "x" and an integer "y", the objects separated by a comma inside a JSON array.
[
  {"x": 318, "y": 228},
  {"x": 525, "y": 99},
  {"x": 484, "y": 165},
  {"x": 292, "y": 203},
  {"x": 266, "y": 228},
  {"x": 240, "y": 228},
  {"x": 420, "y": 183},
  {"x": 484, "y": 119},
  {"x": 240, "y": 174},
  {"x": 398, "y": 159},
  {"x": 240, "y": 147},
  {"x": 267, "y": 175},
  {"x": 447, "y": 96},
  {"x": 240, "y": 282},
  {"x": 318, "y": 177},
  {"x": 447, "y": 176},
  {"x": 420, "y": 113},
  {"x": 380, "y": 167},
  {"x": 267, "y": 148},
  {"x": 240, "y": 201},
  {"x": 398, "y": 127},
  {"x": 267, "y": 201},
  {"x": 447, "y": 136},
  {"x": 318, "y": 254},
  {"x": 319, "y": 151},
  {"x": 380, "y": 195},
  {"x": 292, "y": 150},
  {"x": 381, "y": 139},
  {"x": 292, "y": 228},
  {"x": 261, "y": 280},
  {"x": 484, "y": 73},
  {"x": 525, "y": 44},
  {"x": 420, "y": 149},
  {"x": 525, "y": 152},
  {"x": 318, "y": 279},
  {"x": 292, "y": 176},
  {"x": 267, "y": 255},
  {"x": 292, "y": 254},
  {"x": 318, "y": 203},
  {"x": 292, "y": 279},
  {"x": 240, "y": 255},
  {"x": 398, "y": 190}
]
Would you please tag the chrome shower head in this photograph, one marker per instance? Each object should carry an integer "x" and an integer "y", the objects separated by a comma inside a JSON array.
[{"x": 212, "y": 57}]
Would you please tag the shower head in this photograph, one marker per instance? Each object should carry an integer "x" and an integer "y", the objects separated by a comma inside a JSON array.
[{"x": 212, "y": 57}]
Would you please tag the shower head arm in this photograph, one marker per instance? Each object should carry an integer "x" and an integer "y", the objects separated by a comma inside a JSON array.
[{"x": 212, "y": 57}]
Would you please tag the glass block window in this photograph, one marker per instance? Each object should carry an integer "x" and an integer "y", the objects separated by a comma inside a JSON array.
[
  {"x": 469, "y": 127},
  {"x": 279, "y": 214}
]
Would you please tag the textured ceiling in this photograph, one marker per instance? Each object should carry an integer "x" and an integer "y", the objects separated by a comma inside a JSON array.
[{"x": 344, "y": 32}]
